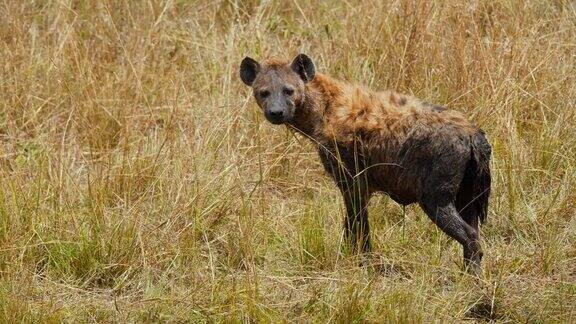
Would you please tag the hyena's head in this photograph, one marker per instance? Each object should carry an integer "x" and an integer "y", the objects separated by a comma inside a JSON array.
[{"x": 278, "y": 87}]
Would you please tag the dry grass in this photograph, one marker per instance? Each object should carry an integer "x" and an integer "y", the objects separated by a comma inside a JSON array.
[{"x": 141, "y": 183}]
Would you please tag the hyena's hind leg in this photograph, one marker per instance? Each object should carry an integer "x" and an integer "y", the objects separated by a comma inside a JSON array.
[
  {"x": 450, "y": 222},
  {"x": 467, "y": 206}
]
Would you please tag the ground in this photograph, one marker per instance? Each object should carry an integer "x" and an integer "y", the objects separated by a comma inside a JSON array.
[{"x": 140, "y": 182}]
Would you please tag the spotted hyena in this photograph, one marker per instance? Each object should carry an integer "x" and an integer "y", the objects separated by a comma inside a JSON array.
[{"x": 370, "y": 142}]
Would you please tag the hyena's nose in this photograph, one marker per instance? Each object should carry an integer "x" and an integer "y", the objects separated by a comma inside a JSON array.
[{"x": 275, "y": 116}]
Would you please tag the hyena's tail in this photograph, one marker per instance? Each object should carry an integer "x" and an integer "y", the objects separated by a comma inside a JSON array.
[{"x": 480, "y": 172}]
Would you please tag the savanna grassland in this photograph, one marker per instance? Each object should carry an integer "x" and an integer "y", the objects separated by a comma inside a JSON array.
[{"x": 140, "y": 182}]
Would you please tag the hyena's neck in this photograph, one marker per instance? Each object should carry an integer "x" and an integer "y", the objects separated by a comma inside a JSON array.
[{"x": 320, "y": 94}]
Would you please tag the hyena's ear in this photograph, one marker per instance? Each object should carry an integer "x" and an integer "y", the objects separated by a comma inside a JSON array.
[
  {"x": 249, "y": 69},
  {"x": 304, "y": 66}
]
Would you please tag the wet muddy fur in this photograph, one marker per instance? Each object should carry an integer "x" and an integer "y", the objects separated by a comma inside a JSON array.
[{"x": 386, "y": 142}]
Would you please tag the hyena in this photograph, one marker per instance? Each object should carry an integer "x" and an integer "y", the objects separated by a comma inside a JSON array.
[{"x": 369, "y": 142}]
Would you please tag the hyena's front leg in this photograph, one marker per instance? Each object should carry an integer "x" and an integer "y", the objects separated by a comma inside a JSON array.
[
  {"x": 344, "y": 168},
  {"x": 356, "y": 226}
]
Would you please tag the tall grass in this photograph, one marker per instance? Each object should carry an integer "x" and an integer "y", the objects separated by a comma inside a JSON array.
[{"x": 139, "y": 182}]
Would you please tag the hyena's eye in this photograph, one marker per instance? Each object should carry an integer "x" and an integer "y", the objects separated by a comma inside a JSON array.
[
  {"x": 264, "y": 93},
  {"x": 288, "y": 91}
]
